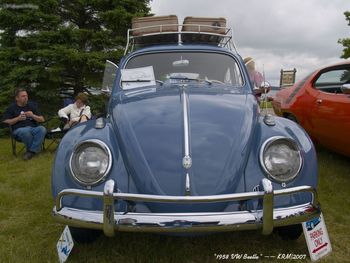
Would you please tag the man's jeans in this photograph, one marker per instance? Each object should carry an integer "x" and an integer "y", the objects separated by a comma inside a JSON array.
[{"x": 32, "y": 137}]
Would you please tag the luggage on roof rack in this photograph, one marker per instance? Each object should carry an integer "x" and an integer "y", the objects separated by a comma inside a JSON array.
[
  {"x": 154, "y": 24},
  {"x": 205, "y": 25},
  {"x": 153, "y": 30},
  {"x": 209, "y": 30},
  {"x": 158, "y": 30}
]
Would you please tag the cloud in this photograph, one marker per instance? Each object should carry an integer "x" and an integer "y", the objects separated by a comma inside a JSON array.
[{"x": 278, "y": 34}]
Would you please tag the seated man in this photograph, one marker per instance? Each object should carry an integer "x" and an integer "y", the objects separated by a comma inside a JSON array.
[
  {"x": 23, "y": 117},
  {"x": 76, "y": 112}
]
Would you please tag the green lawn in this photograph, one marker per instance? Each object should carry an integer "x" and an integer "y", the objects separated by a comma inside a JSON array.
[
  {"x": 29, "y": 234},
  {"x": 265, "y": 104}
]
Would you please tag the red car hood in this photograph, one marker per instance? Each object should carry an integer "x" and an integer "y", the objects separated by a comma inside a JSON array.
[
  {"x": 282, "y": 95},
  {"x": 282, "y": 98}
]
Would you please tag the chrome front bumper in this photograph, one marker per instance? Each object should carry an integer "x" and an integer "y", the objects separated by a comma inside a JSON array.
[{"x": 110, "y": 221}]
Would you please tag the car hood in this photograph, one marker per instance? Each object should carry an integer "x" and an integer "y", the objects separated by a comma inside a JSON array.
[{"x": 150, "y": 129}]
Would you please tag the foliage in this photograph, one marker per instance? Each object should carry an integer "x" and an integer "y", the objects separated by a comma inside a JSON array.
[
  {"x": 346, "y": 41},
  {"x": 30, "y": 234},
  {"x": 56, "y": 46},
  {"x": 98, "y": 104}
]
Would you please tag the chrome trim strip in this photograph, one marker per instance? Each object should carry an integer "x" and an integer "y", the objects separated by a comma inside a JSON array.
[
  {"x": 186, "y": 160},
  {"x": 188, "y": 184},
  {"x": 186, "y": 123}
]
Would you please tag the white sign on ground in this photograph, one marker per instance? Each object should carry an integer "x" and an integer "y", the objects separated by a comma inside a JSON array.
[
  {"x": 317, "y": 238},
  {"x": 64, "y": 245}
]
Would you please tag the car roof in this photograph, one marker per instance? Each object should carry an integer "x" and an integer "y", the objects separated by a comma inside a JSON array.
[{"x": 340, "y": 63}]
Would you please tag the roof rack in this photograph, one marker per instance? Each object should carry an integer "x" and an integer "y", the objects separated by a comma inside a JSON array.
[{"x": 166, "y": 30}]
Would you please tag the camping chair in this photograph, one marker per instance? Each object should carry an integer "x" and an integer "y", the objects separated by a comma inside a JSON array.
[
  {"x": 14, "y": 141},
  {"x": 54, "y": 135}
]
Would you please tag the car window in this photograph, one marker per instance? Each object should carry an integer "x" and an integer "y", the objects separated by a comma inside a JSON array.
[
  {"x": 332, "y": 80},
  {"x": 198, "y": 66}
]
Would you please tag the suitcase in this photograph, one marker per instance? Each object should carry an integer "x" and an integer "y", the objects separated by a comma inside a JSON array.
[
  {"x": 207, "y": 24},
  {"x": 156, "y": 21}
]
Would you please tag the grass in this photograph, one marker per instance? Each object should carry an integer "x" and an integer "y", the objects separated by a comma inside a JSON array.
[
  {"x": 265, "y": 104},
  {"x": 29, "y": 234}
]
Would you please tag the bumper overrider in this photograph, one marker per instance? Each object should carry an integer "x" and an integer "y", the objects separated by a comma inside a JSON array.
[{"x": 110, "y": 221}]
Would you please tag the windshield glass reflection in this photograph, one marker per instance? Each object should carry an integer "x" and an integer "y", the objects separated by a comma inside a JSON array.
[{"x": 197, "y": 67}]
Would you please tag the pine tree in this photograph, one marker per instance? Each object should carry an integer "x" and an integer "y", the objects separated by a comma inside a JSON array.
[
  {"x": 57, "y": 46},
  {"x": 346, "y": 41}
]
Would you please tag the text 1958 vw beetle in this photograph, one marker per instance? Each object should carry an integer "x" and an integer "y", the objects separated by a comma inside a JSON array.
[{"x": 183, "y": 148}]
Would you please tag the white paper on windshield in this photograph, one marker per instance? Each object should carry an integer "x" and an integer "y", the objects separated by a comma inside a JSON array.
[{"x": 137, "y": 77}]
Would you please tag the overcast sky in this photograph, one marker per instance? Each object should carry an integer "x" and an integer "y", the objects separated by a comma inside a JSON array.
[{"x": 286, "y": 34}]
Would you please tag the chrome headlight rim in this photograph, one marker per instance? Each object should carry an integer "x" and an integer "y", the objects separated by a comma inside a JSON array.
[
  {"x": 101, "y": 145},
  {"x": 265, "y": 146}
]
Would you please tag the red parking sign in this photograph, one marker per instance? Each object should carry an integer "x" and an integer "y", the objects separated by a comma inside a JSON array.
[{"x": 317, "y": 238}]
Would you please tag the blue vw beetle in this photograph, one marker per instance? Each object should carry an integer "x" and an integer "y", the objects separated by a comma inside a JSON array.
[{"x": 184, "y": 148}]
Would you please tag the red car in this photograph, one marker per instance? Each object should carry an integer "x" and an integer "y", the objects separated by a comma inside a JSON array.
[{"x": 320, "y": 103}]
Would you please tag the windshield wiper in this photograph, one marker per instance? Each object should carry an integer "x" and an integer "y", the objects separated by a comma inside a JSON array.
[
  {"x": 160, "y": 82},
  {"x": 186, "y": 78},
  {"x": 137, "y": 80}
]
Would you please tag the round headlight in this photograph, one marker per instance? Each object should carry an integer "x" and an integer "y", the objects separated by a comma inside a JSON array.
[
  {"x": 90, "y": 162},
  {"x": 280, "y": 158}
]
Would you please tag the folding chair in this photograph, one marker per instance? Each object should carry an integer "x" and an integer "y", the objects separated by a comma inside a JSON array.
[
  {"x": 55, "y": 134},
  {"x": 14, "y": 140}
]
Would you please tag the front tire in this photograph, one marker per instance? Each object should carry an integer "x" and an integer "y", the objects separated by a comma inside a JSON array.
[
  {"x": 292, "y": 232},
  {"x": 83, "y": 235}
]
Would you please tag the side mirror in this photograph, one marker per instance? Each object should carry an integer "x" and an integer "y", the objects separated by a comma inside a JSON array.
[{"x": 345, "y": 88}]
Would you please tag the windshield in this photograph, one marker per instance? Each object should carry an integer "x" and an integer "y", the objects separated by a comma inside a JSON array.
[{"x": 186, "y": 66}]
